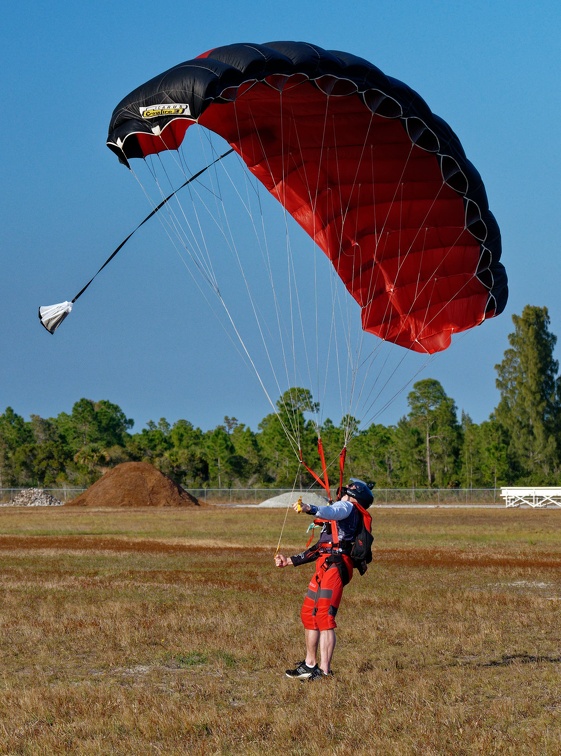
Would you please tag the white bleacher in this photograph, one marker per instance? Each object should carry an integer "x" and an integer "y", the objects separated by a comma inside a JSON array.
[{"x": 538, "y": 497}]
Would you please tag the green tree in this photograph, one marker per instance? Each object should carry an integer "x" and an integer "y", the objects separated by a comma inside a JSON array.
[
  {"x": 483, "y": 455},
  {"x": 89, "y": 459},
  {"x": 248, "y": 461},
  {"x": 409, "y": 470},
  {"x": 219, "y": 451},
  {"x": 372, "y": 455},
  {"x": 89, "y": 433},
  {"x": 51, "y": 454},
  {"x": 152, "y": 442},
  {"x": 101, "y": 423},
  {"x": 284, "y": 434},
  {"x": 434, "y": 415},
  {"x": 230, "y": 423},
  {"x": 15, "y": 435},
  {"x": 492, "y": 454},
  {"x": 185, "y": 460},
  {"x": 529, "y": 409},
  {"x": 469, "y": 458}
]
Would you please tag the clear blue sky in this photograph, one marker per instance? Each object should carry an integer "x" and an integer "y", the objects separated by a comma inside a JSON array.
[{"x": 138, "y": 337}]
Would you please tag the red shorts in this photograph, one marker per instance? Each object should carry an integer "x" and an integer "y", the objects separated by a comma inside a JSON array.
[{"x": 323, "y": 596}]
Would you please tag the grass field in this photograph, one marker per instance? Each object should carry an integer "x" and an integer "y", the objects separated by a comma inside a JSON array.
[{"x": 168, "y": 632}]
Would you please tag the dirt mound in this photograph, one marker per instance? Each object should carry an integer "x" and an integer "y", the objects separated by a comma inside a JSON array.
[{"x": 134, "y": 484}]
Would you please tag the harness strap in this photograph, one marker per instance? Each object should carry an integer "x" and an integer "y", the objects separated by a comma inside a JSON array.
[
  {"x": 365, "y": 515},
  {"x": 342, "y": 458},
  {"x": 334, "y": 533},
  {"x": 323, "y": 481}
]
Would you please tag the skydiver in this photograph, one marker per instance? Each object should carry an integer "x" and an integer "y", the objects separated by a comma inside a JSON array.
[{"x": 334, "y": 570}]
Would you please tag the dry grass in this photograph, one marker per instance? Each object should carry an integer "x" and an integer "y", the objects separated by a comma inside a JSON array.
[{"x": 152, "y": 632}]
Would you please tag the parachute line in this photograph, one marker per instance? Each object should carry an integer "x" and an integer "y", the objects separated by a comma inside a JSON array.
[{"x": 50, "y": 324}]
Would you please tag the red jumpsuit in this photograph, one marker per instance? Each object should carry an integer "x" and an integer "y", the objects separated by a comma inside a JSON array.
[{"x": 334, "y": 567}]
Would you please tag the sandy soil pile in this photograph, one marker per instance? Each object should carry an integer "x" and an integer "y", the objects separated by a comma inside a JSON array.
[{"x": 134, "y": 484}]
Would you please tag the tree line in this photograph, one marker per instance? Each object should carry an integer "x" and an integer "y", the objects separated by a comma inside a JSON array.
[{"x": 429, "y": 447}]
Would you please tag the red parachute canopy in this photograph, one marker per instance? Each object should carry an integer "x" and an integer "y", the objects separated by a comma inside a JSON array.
[{"x": 379, "y": 182}]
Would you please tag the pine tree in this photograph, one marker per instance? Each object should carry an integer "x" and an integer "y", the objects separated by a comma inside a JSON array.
[
  {"x": 530, "y": 406},
  {"x": 433, "y": 415}
]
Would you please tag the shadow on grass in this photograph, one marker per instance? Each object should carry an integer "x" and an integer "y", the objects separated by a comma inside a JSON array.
[{"x": 507, "y": 659}]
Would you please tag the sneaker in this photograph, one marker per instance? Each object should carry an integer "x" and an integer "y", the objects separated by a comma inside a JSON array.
[
  {"x": 319, "y": 674},
  {"x": 302, "y": 671}
]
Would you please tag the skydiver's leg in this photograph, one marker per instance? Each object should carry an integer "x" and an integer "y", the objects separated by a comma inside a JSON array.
[
  {"x": 308, "y": 616},
  {"x": 312, "y": 642},
  {"x": 328, "y": 600},
  {"x": 327, "y": 642}
]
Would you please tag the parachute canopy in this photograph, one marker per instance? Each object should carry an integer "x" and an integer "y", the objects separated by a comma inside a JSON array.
[{"x": 380, "y": 183}]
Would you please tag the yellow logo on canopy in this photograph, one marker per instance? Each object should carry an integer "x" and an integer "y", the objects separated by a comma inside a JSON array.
[{"x": 167, "y": 109}]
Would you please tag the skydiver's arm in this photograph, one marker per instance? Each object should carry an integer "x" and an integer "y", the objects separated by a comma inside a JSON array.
[
  {"x": 336, "y": 511},
  {"x": 309, "y": 555}
]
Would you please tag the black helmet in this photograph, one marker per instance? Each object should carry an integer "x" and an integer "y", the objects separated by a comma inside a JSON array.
[{"x": 360, "y": 491}]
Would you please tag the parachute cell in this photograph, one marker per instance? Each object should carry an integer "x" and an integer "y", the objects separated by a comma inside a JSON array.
[{"x": 380, "y": 183}]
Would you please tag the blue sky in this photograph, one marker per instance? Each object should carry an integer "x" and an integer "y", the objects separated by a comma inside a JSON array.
[{"x": 140, "y": 337}]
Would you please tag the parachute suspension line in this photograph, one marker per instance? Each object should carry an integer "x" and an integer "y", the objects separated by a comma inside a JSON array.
[
  {"x": 322, "y": 361},
  {"x": 174, "y": 235},
  {"x": 292, "y": 431},
  {"x": 379, "y": 386},
  {"x": 293, "y": 304},
  {"x": 337, "y": 325},
  {"x": 323, "y": 355},
  {"x": 208, "y": 275},
  {"x": 289, "y": 420},
  {"x": 174, "y": 223},
  {"x": 452, "y": 246},
  {"x": 150, "y": 215},
  {"x": 298, "y": 324},
  {"x": 420, "y": 288},
  {"x": 286, "y": 511},
  {"x": 352, "y": 362},
  {"x": 199, "y": 252},
  {"x": 52, "y": 316},
  {"x": 263, "y": 246},
  {"x": 229, "y": 238},
  {"x": 204, "y": 268},
  {"x": 357, "y": 392}
]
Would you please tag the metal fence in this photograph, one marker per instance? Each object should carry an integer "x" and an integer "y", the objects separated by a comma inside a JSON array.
[
  {"x": 403, "y": 496},
  {"x": 7, "y": 495},
  {"x": 253, "y": 496}
]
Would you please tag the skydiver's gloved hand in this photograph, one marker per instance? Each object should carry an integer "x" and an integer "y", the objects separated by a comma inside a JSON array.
[{"x": 300, "y": 506}]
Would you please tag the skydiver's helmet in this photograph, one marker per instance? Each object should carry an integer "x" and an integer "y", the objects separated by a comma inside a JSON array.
[{"x": 360, "y": 491}]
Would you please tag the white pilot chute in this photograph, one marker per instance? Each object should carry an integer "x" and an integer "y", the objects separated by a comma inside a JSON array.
[{"x": 52, "y": 316}]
